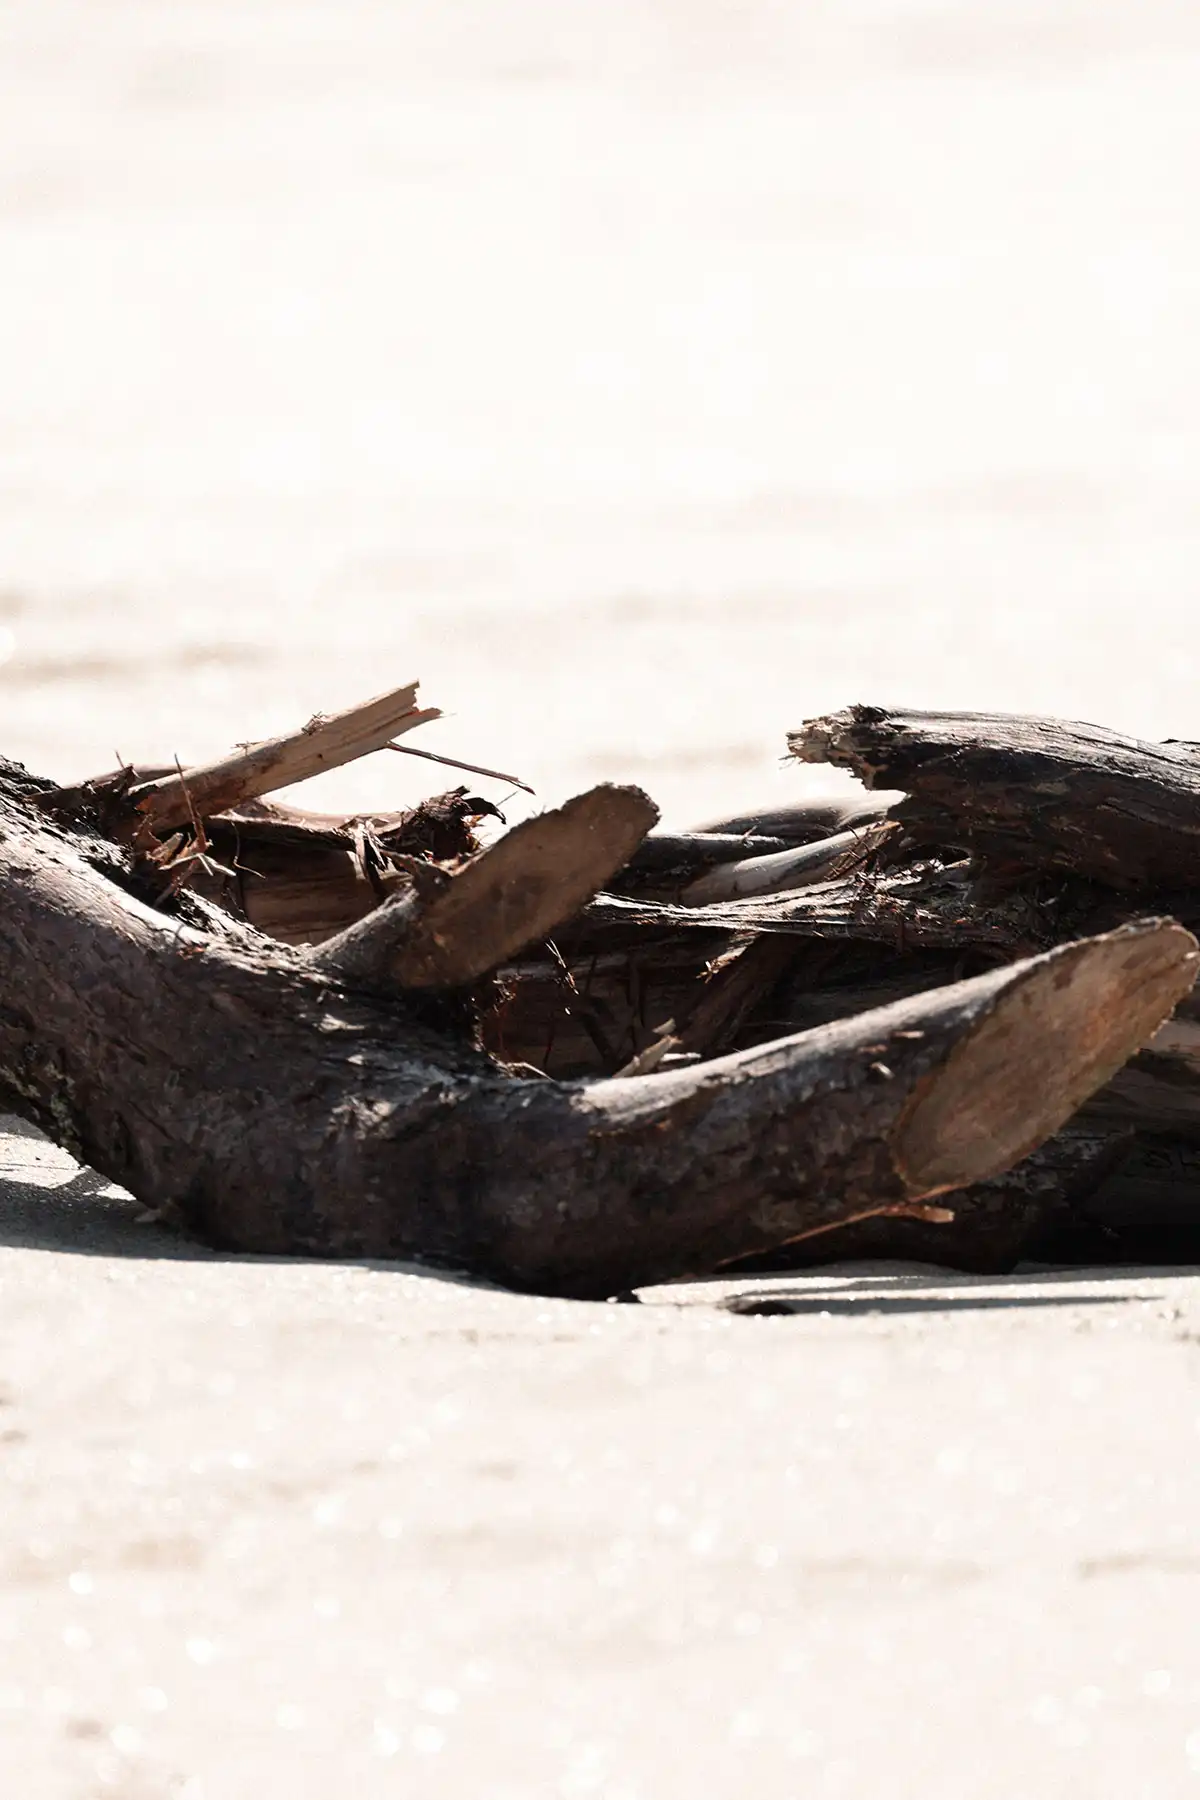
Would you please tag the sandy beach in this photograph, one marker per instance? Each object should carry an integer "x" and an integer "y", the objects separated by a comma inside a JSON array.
[
  {"x": 644, "y": 378},
  {"x": 295, "y": 1526}
]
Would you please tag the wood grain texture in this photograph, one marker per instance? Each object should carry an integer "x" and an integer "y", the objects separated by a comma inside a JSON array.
[
  {"x": 262, "y": 768},
  {"x": 525, "y": 885}
]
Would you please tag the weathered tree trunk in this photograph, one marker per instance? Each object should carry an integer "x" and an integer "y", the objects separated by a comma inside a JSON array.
[{"x": 276, "y": 1107}]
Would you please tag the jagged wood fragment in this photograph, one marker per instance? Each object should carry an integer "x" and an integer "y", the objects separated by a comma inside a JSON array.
[
  {"x": 926, "y": 906},
  {"x": 587, "y": 1015},
  {"x": 440, "y": 826},
  {"x": 1037, "y": 793},
  {"x": 262, "y": 768},
  {"x": 641, "y": 962}
]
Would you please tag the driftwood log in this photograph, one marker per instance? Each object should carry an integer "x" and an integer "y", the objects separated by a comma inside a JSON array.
[
  {"x": 903, "y": 1024},
  {"x": 1011, "y": 838}
]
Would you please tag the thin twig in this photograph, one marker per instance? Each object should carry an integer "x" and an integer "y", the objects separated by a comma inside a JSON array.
[{"x": 452, "y": 762}]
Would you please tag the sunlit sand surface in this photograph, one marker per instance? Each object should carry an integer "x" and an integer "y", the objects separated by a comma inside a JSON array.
[{"x": 644, "y": 377}]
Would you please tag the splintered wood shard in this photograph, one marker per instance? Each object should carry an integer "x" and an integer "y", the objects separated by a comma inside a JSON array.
[
  {"x": 1034, "y": 792},
  {"x": 262, "y": 768},
  {"x": 280, "y": 1111}
]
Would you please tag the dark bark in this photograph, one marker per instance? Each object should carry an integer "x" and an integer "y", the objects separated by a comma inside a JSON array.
[
  {"x": 1144, "y": 1206},
  {"x": 275, "y": 1108},
  {"x": 1037, "y": 1208},
  {"x": 1036, "y": 793}
]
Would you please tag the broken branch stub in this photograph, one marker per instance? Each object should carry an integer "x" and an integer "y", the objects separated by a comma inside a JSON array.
[
  {"x": 1047, "y": 1046},
  {"x": 1037, "y": 793},
  {"x": 521, "y": 888},
  {"x": 324, "y": 743}
]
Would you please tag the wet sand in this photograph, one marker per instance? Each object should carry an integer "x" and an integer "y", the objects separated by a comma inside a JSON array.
[{"x": 645, "y": 378}]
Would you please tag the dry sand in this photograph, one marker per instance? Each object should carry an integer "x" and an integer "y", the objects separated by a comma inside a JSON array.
[
  {"x": 644, "y": 375},
  {"x": 312, "y": 1530}
]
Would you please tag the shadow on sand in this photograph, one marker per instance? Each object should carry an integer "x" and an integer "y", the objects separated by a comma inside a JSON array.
[
  {"x": 83, "y": 1214},
  {"x": 982, "y": 1294}
]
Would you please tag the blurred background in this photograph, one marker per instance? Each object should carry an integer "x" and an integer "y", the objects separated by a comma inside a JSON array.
[{"x": 643, "y": 375}]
